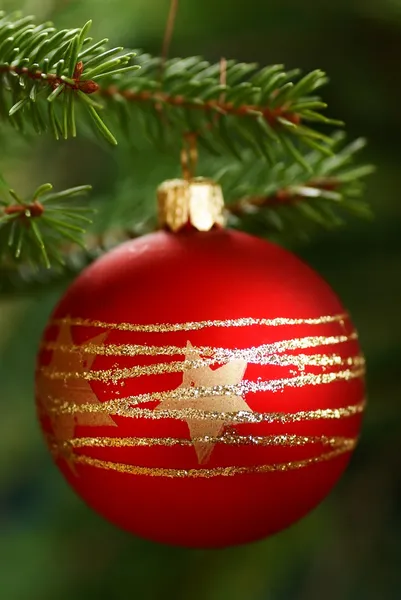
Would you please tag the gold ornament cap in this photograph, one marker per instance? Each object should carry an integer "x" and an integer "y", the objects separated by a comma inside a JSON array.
[{"x": 198, "y": 202}]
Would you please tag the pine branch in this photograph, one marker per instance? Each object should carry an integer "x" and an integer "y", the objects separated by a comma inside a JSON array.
[
  {"x": 265, "y": 110},
  {"x": 279, "y": 169},
  {"x": 32, "y": 230},
  {"x": 285, "y": 194},
  {"x": 43, "y": 78},
  {"x": 281, "y": 199}
]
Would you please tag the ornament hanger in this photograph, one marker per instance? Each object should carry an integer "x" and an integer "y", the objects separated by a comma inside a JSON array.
[{"x": 189, "y": 156}]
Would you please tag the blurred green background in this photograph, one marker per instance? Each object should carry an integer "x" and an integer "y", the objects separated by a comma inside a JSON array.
[{"x": 54, "y": 548}]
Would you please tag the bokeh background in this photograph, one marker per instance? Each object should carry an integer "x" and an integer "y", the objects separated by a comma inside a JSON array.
[{"x": 54, "y": 548}]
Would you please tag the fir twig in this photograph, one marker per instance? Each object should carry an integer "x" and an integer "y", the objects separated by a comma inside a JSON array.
[
  {"x": 33, "y": 230},
  {"x": 39, "y": 63},
  {"x": 270, "y": 106},
  {"x": 264, "y": 124},
  {"x": 334, "y": 184}
]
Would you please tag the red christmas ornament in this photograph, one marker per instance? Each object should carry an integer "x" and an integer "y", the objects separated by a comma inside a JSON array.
[{"x": 202, "y": 389}]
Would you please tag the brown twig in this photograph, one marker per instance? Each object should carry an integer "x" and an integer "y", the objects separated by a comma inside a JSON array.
[
  {"x": 35, "y": 209},
  {"x": 168, "y": 36},
  {"x": 245, "y": 110},
  {"x": 84, "y": 85},
  {"x": 159, "y": 98},
  {"x": 281, "y": 197},
  {"x": 223, "y": 76}
]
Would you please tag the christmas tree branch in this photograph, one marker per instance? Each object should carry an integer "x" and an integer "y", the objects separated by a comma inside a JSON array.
[
  {"x": 48, "y": 70},
  {"x": 45, "y": 227},
  {"x": 34, "y": 229},
  {"x": 278, "y": 170},
  {"x": 243, "y": 110},
  {"x": 42, "y": 75},
  {"x": 334, "y": 184},
  {"x": 265, "y": 110}
]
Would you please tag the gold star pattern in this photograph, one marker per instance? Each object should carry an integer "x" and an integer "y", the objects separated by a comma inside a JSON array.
[
  {"x": 53, "y": 392},
  {"x": 231, "y": 373}
]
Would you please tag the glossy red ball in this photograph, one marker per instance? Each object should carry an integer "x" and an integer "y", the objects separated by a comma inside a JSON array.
[{"x": 200, "y": 389}]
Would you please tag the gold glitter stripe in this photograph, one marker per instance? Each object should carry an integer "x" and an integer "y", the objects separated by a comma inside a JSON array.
[
  {"x": 114, "y": 375},
  {"x": 228, "y": 439},
  {"x": 196, "y": 325},
  {"x": 122, "y": 409},
  {"x": 300, "y": 361},
  {"x": 265, "y": 354},
  {"x": 214, "y": 472},
  {"x": 255, "y": 353},
  {"x": 190, "y": 393}
]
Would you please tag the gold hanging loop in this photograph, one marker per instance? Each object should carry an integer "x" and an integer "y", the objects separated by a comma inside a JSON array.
[{"x": 189, "y": 156}]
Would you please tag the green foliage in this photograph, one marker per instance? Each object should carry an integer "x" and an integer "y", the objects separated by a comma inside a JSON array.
[
  {"x": 263, "y": 110},
  {"x": 262, "y": 128},
  {"x": 42, "y": 79},
  {"x": 284, "y": 199},
  {"x": 32, "y": 230}
]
